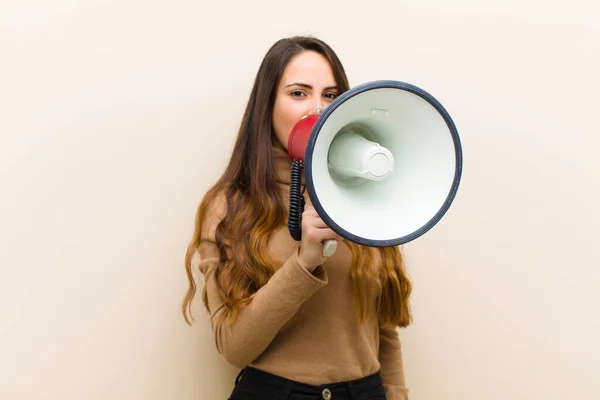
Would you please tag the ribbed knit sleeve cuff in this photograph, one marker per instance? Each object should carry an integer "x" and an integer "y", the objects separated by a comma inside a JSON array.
[{"x": 318, "y": 275}]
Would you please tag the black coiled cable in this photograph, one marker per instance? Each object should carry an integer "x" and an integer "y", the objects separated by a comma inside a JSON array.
[{"x": 296, "y": 200}]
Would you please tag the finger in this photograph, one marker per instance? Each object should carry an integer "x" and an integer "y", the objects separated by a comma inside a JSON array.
[
  {"x": 316, "y": 222},
  {"x": 310, "y": 211},
  {"x": 323, "y": 234}
]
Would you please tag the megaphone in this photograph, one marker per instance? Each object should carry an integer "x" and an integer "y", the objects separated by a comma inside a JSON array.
[{"x": 382, "y": 165}]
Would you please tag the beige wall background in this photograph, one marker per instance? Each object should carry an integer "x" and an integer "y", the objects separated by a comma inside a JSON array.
[{"x": 116, "y": 116}]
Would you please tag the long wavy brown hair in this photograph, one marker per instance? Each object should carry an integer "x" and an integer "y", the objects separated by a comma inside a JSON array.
[{"x": 256, "y": 208}]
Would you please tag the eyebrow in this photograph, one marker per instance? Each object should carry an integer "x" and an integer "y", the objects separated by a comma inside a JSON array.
[{"x": 304, "y": 85}]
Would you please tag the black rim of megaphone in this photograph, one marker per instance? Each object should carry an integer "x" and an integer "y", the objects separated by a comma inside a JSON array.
[{"x": 383, "y": 84}]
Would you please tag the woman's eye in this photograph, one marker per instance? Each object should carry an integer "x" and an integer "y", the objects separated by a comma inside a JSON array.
[
  {"x": 297, "y": 93},
  {"x": 331, "y": 96}
]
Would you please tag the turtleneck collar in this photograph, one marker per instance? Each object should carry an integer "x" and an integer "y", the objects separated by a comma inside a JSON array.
[{"x": 283, "y": 164}]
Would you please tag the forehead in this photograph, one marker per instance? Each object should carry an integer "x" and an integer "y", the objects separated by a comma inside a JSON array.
[{"x": 308, "y": 67}]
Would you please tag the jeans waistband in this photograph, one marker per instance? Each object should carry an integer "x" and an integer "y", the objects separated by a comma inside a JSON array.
[{"x": 258, "y": 377}]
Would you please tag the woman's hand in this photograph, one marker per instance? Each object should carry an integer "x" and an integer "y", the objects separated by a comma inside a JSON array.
[{"x": 314, "y": 232}]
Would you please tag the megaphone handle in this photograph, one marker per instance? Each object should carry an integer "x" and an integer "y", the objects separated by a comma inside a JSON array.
[{"x": 329, "y": 247}]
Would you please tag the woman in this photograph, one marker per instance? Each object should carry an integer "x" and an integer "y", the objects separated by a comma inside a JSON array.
[{"x": 300, "y": 326}]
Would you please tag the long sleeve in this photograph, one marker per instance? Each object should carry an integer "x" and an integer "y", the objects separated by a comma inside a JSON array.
[
  {"x": 271, "y": 307},
  {"x": 390, "y": 358}
]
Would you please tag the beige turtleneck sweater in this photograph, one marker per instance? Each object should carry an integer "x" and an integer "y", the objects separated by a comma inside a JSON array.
[{"x": 302, "y": 325}]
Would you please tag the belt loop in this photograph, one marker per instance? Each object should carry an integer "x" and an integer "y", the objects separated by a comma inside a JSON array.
[
  {"x": 351, "y": 393},
  {"x": 288, "y": 389}
]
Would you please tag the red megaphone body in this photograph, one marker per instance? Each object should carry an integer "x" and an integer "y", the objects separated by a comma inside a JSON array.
[{"x": 298, "y": 139}]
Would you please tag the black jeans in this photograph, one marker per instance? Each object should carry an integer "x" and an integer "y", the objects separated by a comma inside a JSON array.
[{"x": 254, "y": 384}]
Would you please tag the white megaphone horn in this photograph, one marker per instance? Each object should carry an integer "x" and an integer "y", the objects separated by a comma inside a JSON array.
[{"x": 382, "y": 165}]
